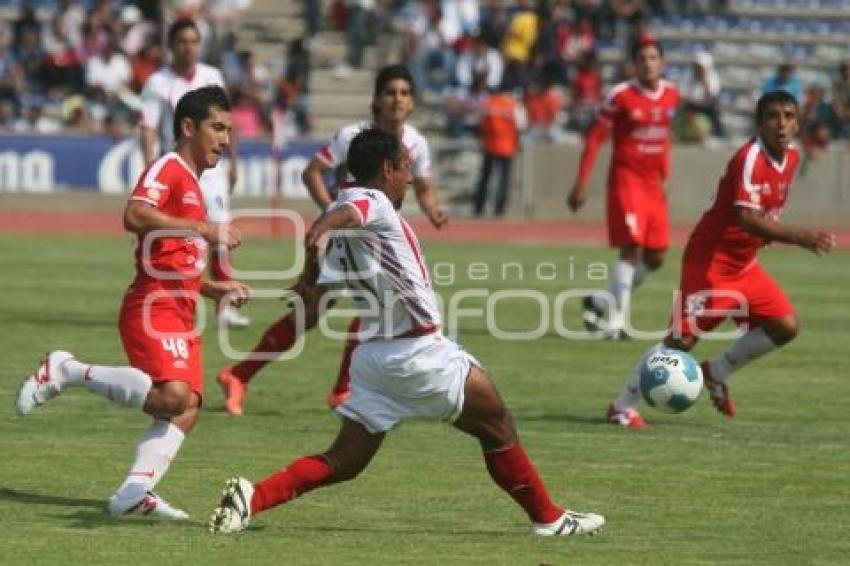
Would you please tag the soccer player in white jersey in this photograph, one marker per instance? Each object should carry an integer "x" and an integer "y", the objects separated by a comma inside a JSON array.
[
  {"x": 404, "y": 368},
  {"x": 160, "y": 95},
  {"x": 392, "y": 105}
]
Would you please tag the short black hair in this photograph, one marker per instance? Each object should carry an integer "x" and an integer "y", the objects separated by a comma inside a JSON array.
[
  {"x": 390, "y": 73},
  {"x": 196, "y": 105},
  {"x": 648, "y": 41},
  {"x": 369, "y": 150},
  {"x": 178, "y": 26},
  {"x": 773, "y": 97}
]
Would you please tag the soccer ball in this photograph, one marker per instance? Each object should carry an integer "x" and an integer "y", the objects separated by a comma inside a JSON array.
[{"x": 670, "y": 380}]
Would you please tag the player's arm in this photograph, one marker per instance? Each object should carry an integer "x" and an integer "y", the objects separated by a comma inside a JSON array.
[
  {"x": 148, "y": 139},
  {"x": 596, "y": 135},
  {"x": 314, "y": 179},
  {"x": 340, "y": 218},
  {"x": 426, "y": 196},
  {"x": 237, "y": 293},
  {"x": 754, "y": 222},
  {"x": 141, "y": 218},
  {"x": 233, "y": 156}
]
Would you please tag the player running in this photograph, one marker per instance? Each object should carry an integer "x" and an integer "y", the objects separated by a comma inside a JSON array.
[
  {"x": 721, "y": 276},
  {"x": 166, "y": 212},
  {"x": 404, "y": 367},
  {"x": 638, "y": 114},
  {"x": 392, "y": 105},
  {"x": 160, "y": 95}
]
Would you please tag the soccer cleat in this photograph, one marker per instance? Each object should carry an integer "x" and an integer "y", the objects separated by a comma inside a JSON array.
[
  {"x": 228, "y": 317},
  {"x": 718, "y": 391},
  {"x": 234, "y": 390},
  {"x": 44, "y": 384},
  {"x": 628, "y": 417},
  {"x": 234, "y": 512},
  {"x": 617, "y": 334},
  {"x": 150, "y": 504},
  {"x": 570, "y": 523},
  {"x": 592, "y": 315}
]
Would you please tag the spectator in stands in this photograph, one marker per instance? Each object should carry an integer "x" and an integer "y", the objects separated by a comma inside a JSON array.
[
  {"x": 144, "y": 64},
  {"x": 427, "y": 48},
  {"x": 30, "y": 56},
  {"x": 12, "y": 80},
  {"x": 109, "y": 72},
  {"x": 358, "y": 14},
  {"x": 691, "y": 125},
  {"x": 463, "y": 108},
  {"x": 502, "y": 120},
  {"x": 247, "y": 115},
  {"x": 545, "y": 105},
  {"x": 26, "y": 23},
  {"x": 136, "y": 32},
  {"x": 586, "y": 93},
  {"x": 841, "y": 99},
  {"x": 71, "y": 18},
  {"x": 493, "y": 22},
  {"x": 293, "y": 86},
  {"x": 575, "y": 39},
  {"x": 62, "y": 66},
  {"x": 786, "y": 80},
  {"x": 479, "y": 59},
  {"x": 75, "y": 116},
  {"x": 700, "y": 90},
  {"x": 518, "y": 42},
  {"x": 34, "y": 120}
]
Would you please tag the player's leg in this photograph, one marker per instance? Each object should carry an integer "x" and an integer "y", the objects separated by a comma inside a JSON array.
[
  {"x": 771, "y": 322},
  {"x": 486, "y": 417},
  {"x": 480, "y": 200},
  {"x": 341, "y": 389},
  {"x": 504, "y": 166},
  {"x": 278, "y": 338},
  {"x": 350, "y": 453}
]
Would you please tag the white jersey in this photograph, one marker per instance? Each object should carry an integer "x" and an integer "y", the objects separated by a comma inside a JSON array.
[
  {"x": 381, "y": 262},
  {"x": 161, "y": 93},
  {"x": 335, "y": 151}
]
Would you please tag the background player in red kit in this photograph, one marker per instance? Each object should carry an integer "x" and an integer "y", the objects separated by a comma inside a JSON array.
[
  {"x": 166, "y": 212},
  {"x": 392, "y": 104},
  {"x": 637, "y": 114},
  {"x": 721, "y": 275}
]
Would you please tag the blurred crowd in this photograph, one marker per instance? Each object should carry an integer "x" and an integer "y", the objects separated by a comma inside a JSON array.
[{"x": 81, "y": 69}]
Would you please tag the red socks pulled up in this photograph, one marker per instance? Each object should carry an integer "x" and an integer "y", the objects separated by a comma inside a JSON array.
[
  {"x": 511, "y": 469},
  {"x": 301, "y": 476}
]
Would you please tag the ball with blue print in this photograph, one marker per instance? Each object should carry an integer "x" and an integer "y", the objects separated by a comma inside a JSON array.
[{"x": 670, "y": 380}]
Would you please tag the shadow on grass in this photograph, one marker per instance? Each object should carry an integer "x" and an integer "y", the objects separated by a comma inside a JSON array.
[{"x": 16, "y": 496}]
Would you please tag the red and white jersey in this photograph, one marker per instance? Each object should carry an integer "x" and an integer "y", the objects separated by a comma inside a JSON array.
[
  {"x": 163, "y": 90},
  {"x": 335, "y": 151},
  {"x": 382, "y": 263},
  {"x": 169, "y": 263},
  {"x": 639, "y": 121},
  {"x": 752, "y": 180}
]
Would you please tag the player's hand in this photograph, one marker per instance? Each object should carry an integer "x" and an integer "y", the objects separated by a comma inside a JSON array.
[
  {"x": 577, "y": 197},
  {"x": 226, "y": 235},
  {"x": 817, "y": 241},
  {"x": 235, "y": 293},
  {"x": 438, "y": 216}
]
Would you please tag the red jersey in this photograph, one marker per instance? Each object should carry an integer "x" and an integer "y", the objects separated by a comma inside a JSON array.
[
  {"x": 639, "y": 121},
  {"x": 752, "y": 180},
  {"x": 172, "y": 265}
]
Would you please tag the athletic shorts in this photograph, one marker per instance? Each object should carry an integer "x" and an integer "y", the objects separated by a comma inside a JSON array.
[
  {"x": 708, "y": 297},
  {"x": 637, "y": 212},
  {"x": 172, "y": 352},
  {"x": 406, "y": 378},
  {"x": 215, "y": 187}
]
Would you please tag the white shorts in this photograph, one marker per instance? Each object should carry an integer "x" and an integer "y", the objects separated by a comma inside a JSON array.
[
  {"x": 406, "y": 378},
  {"x": 215, "y": 187}
]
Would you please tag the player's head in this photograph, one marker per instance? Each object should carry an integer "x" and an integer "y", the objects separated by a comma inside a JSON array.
[
  {"x": 648, "y": 56},
  {"x": 393, "y": 96},
  {"x": 378, "y": 159},
  {"x": 184, "y": 41},
  {"x": 777, "y": 119},
  {"x": 202, "y": 125}
]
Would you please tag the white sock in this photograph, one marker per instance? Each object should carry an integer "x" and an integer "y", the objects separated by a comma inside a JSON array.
[
  {"x": 640, "y": 276},
  {"x": 745, "y": 349},
  {"x": 156, "y": 449},
  {"x": 624, "y": 276},
  {"x": 122, "y": 385},
  {"x": 630, "y": 396}
]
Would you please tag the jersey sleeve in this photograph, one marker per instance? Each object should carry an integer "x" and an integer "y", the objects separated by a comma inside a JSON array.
[
  {"x": 151, "y": 106},
  {"x": 333, "y": 152},
  {"x": 153, "y": 187},
  {"x": 747, "y": 193},
  {"x": 371, "y": 206},
  {"x": 422, "y": 160}
]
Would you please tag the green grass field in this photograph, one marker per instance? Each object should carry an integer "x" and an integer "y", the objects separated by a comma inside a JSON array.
[{"x": 769, "y": 487}]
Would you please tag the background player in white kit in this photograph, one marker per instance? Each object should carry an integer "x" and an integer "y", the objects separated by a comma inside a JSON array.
[
  {"x": 160, "y": 95},
  {"x": 404, "y": 367}
]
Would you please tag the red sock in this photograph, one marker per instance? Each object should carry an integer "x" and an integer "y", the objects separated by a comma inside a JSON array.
[
  {"x": 220, "y": 265},
  {"x": 511, "y": 469},
  {"x": 298, "y": 478},
  {"x": 343, "y": 377},
  {"x": 279, "y": 337}
]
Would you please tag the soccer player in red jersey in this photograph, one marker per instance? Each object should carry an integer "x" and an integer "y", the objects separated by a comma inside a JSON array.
[
  {"x": 637, "y": 114},
  {"x": 721, "y": 276},
  {"x": 404, "y": 367},
  {"x": 392, "y": 105},
  {"x": 166, "y": 212}
]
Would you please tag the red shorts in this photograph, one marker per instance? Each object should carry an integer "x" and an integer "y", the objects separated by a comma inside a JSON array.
[
  {"x": 637, "y": 212},
  {"x": 167, "y": 350},
  {"x": 707, "y": 298}
]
